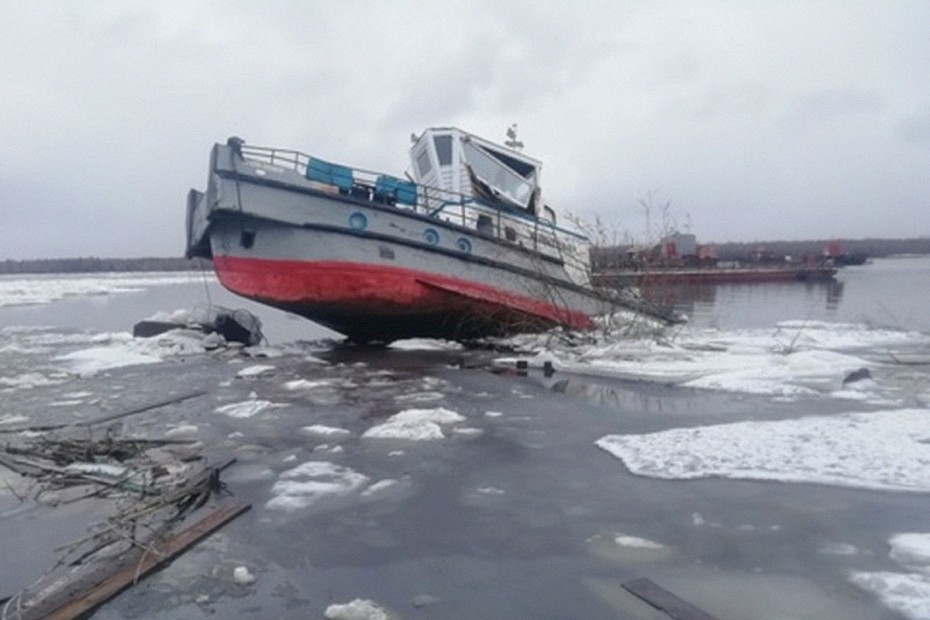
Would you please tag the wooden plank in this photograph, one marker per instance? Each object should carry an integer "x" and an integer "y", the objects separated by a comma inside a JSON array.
[
  {"x": 665, "y": 601},
  {"x": 167, "y": 551}
]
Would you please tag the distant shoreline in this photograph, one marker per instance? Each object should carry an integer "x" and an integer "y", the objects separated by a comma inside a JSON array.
[{"x": 101, "y": 265}]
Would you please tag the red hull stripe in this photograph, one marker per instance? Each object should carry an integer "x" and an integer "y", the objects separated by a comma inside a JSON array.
[{"x": 373, "y": 289}]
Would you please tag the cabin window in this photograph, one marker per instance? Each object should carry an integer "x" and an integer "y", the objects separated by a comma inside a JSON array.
[
  {"x": 501, "y": 177},
  {"x": 423, "y": 163},
  {"x": 522, "y": 168},
  {"x": 443, "y": 149}
]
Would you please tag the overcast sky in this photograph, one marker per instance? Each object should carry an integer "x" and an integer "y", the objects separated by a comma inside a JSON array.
[{"x": 754, "y": 120}]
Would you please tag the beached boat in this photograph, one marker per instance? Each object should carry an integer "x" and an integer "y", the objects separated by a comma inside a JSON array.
[{"x": 463, "y": 247}]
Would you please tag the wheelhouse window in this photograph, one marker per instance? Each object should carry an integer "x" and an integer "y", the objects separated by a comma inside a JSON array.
[
  {"x": 443, "y": 149},
  {"x": 423, "y": 163}
]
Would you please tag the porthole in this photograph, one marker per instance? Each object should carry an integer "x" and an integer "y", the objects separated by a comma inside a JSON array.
[
  {"x": 358, "y": 221},
  {"x": 464, "y": 245},
  {"x": 431, "y": 236}
]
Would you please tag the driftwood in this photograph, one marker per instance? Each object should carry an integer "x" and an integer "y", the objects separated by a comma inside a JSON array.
[
  {"x": 142, "y": 535},
  {"x": 149, "y": 559},
  {"x": 665, "y": 601},
  {"x": 162, "y": 503}
]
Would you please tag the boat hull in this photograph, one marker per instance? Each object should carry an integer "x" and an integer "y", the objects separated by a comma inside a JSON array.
[
  {"x": 374, "y": 271},
  {"x": 369, "y": 302}
]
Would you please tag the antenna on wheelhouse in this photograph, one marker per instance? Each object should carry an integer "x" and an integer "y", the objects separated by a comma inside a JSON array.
[{"x": 512, "y": 141}]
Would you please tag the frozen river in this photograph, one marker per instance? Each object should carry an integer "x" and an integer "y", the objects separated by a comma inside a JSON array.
[{"x": 726, "y": 461}]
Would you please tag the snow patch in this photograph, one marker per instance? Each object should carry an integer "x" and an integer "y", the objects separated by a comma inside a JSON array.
[
  {"x": 635, "y": 542},
  {"x": 328, "y": 431},
  {"x": 467, "y": 431},
  {"x": 247, "y": 408},
  {"x": 312, "y": 481},
  {"x": 379, "y": 486},
  {"x": 425, "y": 344},
  {"x": 906, "y": 593},
  {"x": 912, "y": 550},
  {"x": 356, "y": 610},
  {"x": 884, "y": 450},
  {"x": 490, "y": 491},
  {"x": 255, "y": 371},
  {"x": 415, "y": 424},
  {"x": 796, "y": 359},
  {"x": 121, "y": 349},
  {"x": 306, "y": 384}
]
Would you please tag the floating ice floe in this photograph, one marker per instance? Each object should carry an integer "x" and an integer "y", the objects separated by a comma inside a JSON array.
[
  {"x": 907, "y": 593},
  {"x": 635, "y": 542},
  {"x": 306, "y": 384},
  {"x": 467, "y": 431},
  {"x": 312, "y": 481},
  {"x": 47, "y": 289},
  {"x": 420, "y": 397},
  {"x": 883, "y": 450},
  {"x": 243, "y": 576},
  {"x": 415, "y": 424},
  {"x": 490, "y": 491},
  {"x": 28, "y": 380},
  {"x": 12, "y": 418},
  {"x": 247, "y": 408},
  {"x": 121, "y": 349},
  {"x": 358, "y": 609},
  {"x": 255, "y": 371},
  {"x": 182, "y": 430},
  {"x": 794, "y": 359},
  {"x": 626, "y": 548},
  {"x": 326, "y": 431},
  {"x": 379, "y": 486},
  {"x": 425, "y": 344}
]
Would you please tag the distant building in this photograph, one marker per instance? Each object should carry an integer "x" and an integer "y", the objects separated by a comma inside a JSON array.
[{"x": 677, "y": 245}]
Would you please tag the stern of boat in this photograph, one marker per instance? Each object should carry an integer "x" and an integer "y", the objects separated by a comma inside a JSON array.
[{"x": 198, "y": 241}]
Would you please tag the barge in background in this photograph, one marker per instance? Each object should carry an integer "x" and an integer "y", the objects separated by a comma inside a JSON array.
[
  {"x": 713, "y": 275},
  {"x": 464, "y": 248},
  {"x": 679, "y": 260}
]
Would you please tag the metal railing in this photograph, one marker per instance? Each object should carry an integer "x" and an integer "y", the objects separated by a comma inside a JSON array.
[{"x": 505, "y": 224}]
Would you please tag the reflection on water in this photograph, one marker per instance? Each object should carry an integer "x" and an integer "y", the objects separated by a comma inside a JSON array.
[
  {"x": 834, "y": 295},
  {"x": 889, "y": 292},
  {"x": 751, "y": 305},
  {"x": 646, "y": 401}
]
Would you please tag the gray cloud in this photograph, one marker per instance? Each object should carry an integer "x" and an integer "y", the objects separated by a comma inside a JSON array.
[{"x": 760, "y": 121}]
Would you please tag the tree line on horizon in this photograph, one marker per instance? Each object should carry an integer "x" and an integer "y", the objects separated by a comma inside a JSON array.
[
  {"x": 874, "y": 248},
  {"x": 98, "y": 265}
]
